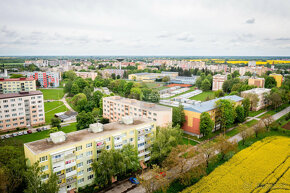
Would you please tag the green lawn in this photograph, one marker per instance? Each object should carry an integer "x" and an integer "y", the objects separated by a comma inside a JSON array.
[
  {"x": 52, "y": 94},
  {"x": 202, "y": 96},
  {"x": 40, "y": 135},
  {"x": 254, "y": 113},
  {"x": 233, "y": 132},
  {"x": 50, "y": 108},
  {"x": 188, "y": 141},
  {"x": 251, "y": 123}
]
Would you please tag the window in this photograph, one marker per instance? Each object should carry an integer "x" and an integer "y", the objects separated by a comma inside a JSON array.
[
  {"x": 79, "y": 148},
  {"x": 131, "y": 139},
  {"x": 132, "y": 132},
  {"x": 44, "y": 168},
  {"x": 89, "y": 153},
  {"x": 90, "y": 169},
  {"x": 90, "y": 177},
  {"x": 90, "y": 161},
  {"x": 44, "y": 177},
  {"x": 79, "y": 156},
  {"x": 80, "y": 165},
  {"x": 43, "y": 159},
  {"x": 80, "y": 172},
  {"x": 81, "y": 180},
  {"x": 89, "y": 145}
]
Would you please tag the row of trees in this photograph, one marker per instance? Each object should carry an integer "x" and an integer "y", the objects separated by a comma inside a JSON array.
[{"x": 204, "y": 82}]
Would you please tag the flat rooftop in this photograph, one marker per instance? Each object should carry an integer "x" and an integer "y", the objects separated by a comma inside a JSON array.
[
  {"x": 139, "y": 104},
  {"x": 72, "y": 138},
  {"x": 257, "y": 90},
  {"x": 21, "y": 94},
  {"x": 15, "y": 79},
  {"x": 209, "y": 105}
]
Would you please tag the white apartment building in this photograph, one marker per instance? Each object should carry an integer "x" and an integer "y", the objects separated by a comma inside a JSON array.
[
  {"x": 218, "y": 81},
  {"x": 116, "y": 107},
  {"x": 21, "y": 110},
  {"x": 260, "y": 92}
]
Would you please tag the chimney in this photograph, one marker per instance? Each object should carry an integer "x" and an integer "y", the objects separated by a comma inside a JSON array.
[
  {"x": 58, "y": 137},
  {"x": 127, "y": 120}
]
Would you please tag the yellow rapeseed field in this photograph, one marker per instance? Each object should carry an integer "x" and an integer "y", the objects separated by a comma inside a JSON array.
[{"x": 262, "y": 167}]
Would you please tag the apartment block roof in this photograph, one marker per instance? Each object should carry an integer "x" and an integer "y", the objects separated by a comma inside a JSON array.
[
  {"x": 15, "y": 79},
  {"x": 114, "y": 128},
  {"x": 20, "y": 94},
  {"x": 257, "y": 91},
  {"x": 139, "y": 104},
  {"x": 210, "y": 105}
]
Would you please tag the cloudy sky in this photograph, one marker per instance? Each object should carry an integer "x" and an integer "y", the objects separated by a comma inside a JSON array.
[{"x": 149, "y": 27}]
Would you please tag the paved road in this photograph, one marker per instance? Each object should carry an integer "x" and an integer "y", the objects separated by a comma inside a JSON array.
[{"x": 193, "y": 161}]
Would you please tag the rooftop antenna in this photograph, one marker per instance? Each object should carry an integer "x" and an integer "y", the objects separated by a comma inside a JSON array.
[{"x": 120, "y": 60}]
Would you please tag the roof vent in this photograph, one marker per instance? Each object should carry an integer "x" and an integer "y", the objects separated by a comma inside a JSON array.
[
  {"x": 96, "y": 128},
  {"x": 58, "y": 137},
  {"x": 127, "y": 120}
]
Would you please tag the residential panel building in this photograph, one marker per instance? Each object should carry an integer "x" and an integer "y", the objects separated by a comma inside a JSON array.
[
  {"x": 278, "y": 78},
  {"x": 15, "y": 85},
  {"x": 71, "y": 155},
  {"x": 261, "y": 94},
  {"x": 19, "y": 110},
  {"x": 192, "y": 113},
  {"x": 116, "y": 107},
  {"x": 46, "y": 79},
  {"x": 258, "y": 82},
  {"x": 218, "y": 81}
]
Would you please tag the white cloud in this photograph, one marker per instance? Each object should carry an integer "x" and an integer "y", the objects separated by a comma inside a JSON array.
[{"x": 144, "y": 27}]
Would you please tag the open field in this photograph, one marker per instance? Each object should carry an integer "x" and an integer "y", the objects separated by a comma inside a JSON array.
[
  {"x": 202, "y": 96},
  {"x": 250, "y": 170},
  {"x": 52, "y": 94},
  {"x": 50, "y": 108}
]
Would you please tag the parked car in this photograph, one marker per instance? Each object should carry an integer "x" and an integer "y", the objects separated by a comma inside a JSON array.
[
  {"x": 29, "y": 131},
  {"x": 25, "y": 132},
  {"x": 38, "y": 129},
  {"x": 7, "y": 136},
  {"x": 2, "y": 136},
  {"x": 44, "y": 128},
  {"x": 14, "y": 134},
  {"x": 134, "y": 180},
  {"x": 20, "y": 133}
]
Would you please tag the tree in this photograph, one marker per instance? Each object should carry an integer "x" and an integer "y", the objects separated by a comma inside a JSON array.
[
  {"x": 13, "y": 166},
  {"x": 246, "y": 104},
  {"x": 75, "y": 89},
  {"x": 136, "y": 93},
  {"x": 68, "y": 87},
  {"x": 275, "y": 99},
  {"x": 224, "y": 146},
  {"x": 248, "y": 73},
  {"x": 240, "y": 114},
  {"x": 178, "y": 116},
  {"x": 165, "y": 140},
  {"x": 225, "y": 114},
  {"x": 227, "y": 86},
  {"x": 146, "y": 94},
  {"x": 113, "y": 76},
  {"x": 235, "y": 74},
  {"x": 270, "y": 82},
  {"x": 206, "y": 124},
  {"x": 165, "y": 79},
  {"x": 113, "y": 163},
  {"x": 71, "y": 75},
  {"x": 267, "y": 121},
  {"x": 244, "y": 132},
  {"x": 55, "y": 122},
  {"x": 88, "y": 92},
  {"x": 16, "y": 76},
  {"x": 154, "y": 96},
  {"x": 127, "y": 88},
  {"x": 258, "y": 128},
  {"x": 219, "y": 93},
  {"x": 207, "y": 149},
  {"x": 37, "y": 83},
  {"x": 254, "y": 99},
  {"x": 205, "y": 85},
  {"x": 84, "y": 120},
  {"x": 35, "y": 184},
  {"x": 198, "y": 82}
]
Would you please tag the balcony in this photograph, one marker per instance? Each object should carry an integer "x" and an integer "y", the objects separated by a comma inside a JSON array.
[
  {"x": 71, "y": 181},
  {"x": 62, "y": 185},
  {"x": 74, "y": 172},
  {"x": 141, "y": 154},
  {"x": 61, "y": 176},
  {"x": 141, "y": 148},
  {"x": 57, "y": 159},
  {"x": 69, "y": 155},
  {"x": 147, "y": 158},
  {"x": 70, "y": 165}
]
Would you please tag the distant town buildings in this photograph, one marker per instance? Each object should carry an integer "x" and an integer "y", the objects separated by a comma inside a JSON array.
[
  {"x": 258, "y": 82},
  {"x": 19, "y": 110},
  {"x": 278, "y": 78},
  {"x": 107, "y": 73},
  {"x": 258, "y": 70},
  {"x": 218, "y": 81},
  {"x": 193, "y": 112},
  {"x": 85, "y": 75},
  {"x": 15, "y": 85},
  {"x": 261, "y": 93},
  {"x": 116, "y": 107},
  {"x": 252, "y": 64},
  {"x": 46, "y": 79},
  {"x": 70, "y": 156}
]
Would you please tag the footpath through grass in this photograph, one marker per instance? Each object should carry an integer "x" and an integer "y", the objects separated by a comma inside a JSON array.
[
  {"x": 255, "y": 113},
  {"x": 50, "y": 108},
  {"x": 52, "y": 94},
  {"x": 202, "y": 96},
  {"x": 272, "y": 112}
]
